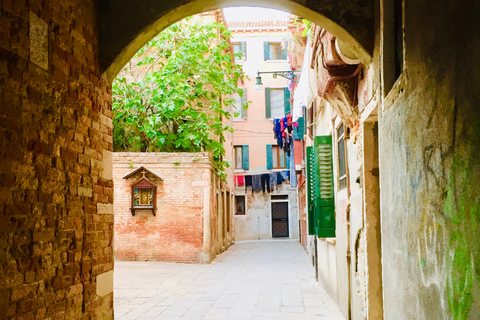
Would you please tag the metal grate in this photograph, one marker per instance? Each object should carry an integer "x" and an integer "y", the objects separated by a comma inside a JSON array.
[{"x": 280, "y": 219}]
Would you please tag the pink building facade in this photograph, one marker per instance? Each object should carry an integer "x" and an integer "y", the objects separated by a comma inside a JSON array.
[{"x": 264, "y": 213}]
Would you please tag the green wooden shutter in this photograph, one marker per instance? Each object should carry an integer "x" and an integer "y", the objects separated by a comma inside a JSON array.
[
  {"x": 244, "y": 104},
  {"x": 287, "y": 160},
  {"x": 325, "y": 204},
  {"x": 266, "y": 50},
  {"x": 269, "y": 157},
  {"x": 311, "y": 177},
  {"x": 268, "y": 112},
  {"x": 243, "y": 49},
  {"x": 285, "y": 52},
  {"x": 286, "y": 103},
  {"x": 299, "y": 132},
  {"x": 245, "y": 157}
]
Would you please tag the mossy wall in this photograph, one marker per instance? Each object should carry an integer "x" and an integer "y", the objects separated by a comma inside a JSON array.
[{"x": 430, "y": 170}]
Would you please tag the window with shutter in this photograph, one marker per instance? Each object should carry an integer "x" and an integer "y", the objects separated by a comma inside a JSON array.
[
  {"x": 276, "y": 157},
  {"x": 272, "y": 50},
  {"x": 325, "y": 205},
  {"x": 241, "y": 157},
  {"x": 342, "y": 168},
  {"x": 285, "y": 51},
  {"x": 268, "y": 113},
  {"x": 244, "y": 103},
  {"x": 246, "y": 159},
  {"x": 240, "y": 105},
  {"x": 238, "y": 157},
  {"x": 269, "y": 157},
  {"x": 266, "y": 50},
  {"x": 277, "y": 103},
  {"x": 240, "y": 50},
  {"x": 286, "y": 100}
]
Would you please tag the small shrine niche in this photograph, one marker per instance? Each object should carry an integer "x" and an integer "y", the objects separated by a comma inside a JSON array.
[{"x": 144, "y": 192}]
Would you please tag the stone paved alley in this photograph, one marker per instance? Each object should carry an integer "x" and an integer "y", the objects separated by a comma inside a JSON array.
[{"x": 251, "y": 280}]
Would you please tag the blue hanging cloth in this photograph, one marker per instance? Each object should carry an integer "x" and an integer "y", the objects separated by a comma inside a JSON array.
[
  {"x": 278, "y": 132},
  {"x": 293, "y": 175}
]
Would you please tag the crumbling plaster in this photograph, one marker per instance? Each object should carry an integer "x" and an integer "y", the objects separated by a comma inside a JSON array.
[
  {"x": 429, "y": 170},
  {"x": 257, "y": 222}
]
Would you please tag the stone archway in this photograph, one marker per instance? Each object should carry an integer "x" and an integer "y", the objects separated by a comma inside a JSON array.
[{"x": 125, "y": 26}]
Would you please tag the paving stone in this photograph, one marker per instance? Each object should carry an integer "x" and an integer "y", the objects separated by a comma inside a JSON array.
[{"x": 251, "y": 280}]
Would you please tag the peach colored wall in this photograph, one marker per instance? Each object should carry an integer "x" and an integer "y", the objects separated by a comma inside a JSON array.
[{"x": 256, "y": 131}]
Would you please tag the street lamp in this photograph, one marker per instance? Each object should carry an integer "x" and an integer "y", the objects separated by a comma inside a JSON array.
[{"x": 289, "y": 75}]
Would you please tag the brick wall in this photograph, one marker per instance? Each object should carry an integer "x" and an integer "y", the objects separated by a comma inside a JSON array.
[
  {"x": 55, "y": 249},
  {"x": 186, "y": 208}
]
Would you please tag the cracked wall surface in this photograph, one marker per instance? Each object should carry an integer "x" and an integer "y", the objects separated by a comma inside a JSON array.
[{"x": 429, "y": 170}]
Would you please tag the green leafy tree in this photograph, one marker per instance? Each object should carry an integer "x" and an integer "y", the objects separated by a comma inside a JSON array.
[{"x": 174, "y": 94}]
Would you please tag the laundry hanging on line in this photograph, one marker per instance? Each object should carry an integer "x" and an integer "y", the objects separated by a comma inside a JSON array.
[
  {"x": 239, "y": 180},
  {"x": 266, "y": 182},
  {"x": 283, "y": 132}
]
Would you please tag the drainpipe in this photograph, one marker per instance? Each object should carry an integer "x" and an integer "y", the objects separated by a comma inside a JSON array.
[{"x": 258, "y": 228}]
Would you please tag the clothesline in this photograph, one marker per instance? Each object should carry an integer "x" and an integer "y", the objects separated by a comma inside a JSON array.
[{"x": 262, "y": 182}]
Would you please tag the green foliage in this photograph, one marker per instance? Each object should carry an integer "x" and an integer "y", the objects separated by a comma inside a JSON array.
[
  {"x": 173, "y": 95},
  {"x": 308, "y": 26}
]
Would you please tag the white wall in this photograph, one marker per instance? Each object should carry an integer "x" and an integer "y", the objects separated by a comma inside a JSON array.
[{"x": 257, "y": 221}]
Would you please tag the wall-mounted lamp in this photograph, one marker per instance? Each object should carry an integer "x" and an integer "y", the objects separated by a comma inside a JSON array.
[{"x": 289, "y": 75}]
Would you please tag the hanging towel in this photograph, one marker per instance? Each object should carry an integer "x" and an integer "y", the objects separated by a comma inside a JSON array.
[
  {"x": 304, "y": 92},
  {"x": 289, "y": 124},
  {"x": 289, "y": 119},
  {"x": 279, "y": 178},
  {"x": 257, "y": 182},
  {"x": 273, "y": 181},
  {"x": 293, "y": 174},
  {"x": 266, "y": 182},
  {"x": 240, "y": 180},
  {"x": 286, "y": 143},
  {"x": 278, "y": 131},
  {"x": 248, "y": 182},
  {"x": 284, "y": 174}
]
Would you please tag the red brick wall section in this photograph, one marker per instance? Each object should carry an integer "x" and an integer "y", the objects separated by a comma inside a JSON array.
[
  {"x": 55, "y": 112},
  {"x": 175, "y": 233}
]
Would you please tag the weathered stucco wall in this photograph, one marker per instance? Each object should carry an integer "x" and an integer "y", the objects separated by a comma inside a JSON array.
[
  {"x": 429, "y": 168},
  {"x": 257, "y": 221},
  {"x": 56, "y": 189}
]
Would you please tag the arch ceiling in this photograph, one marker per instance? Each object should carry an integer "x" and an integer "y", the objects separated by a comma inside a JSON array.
[{"x": 126, "y": 25}]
